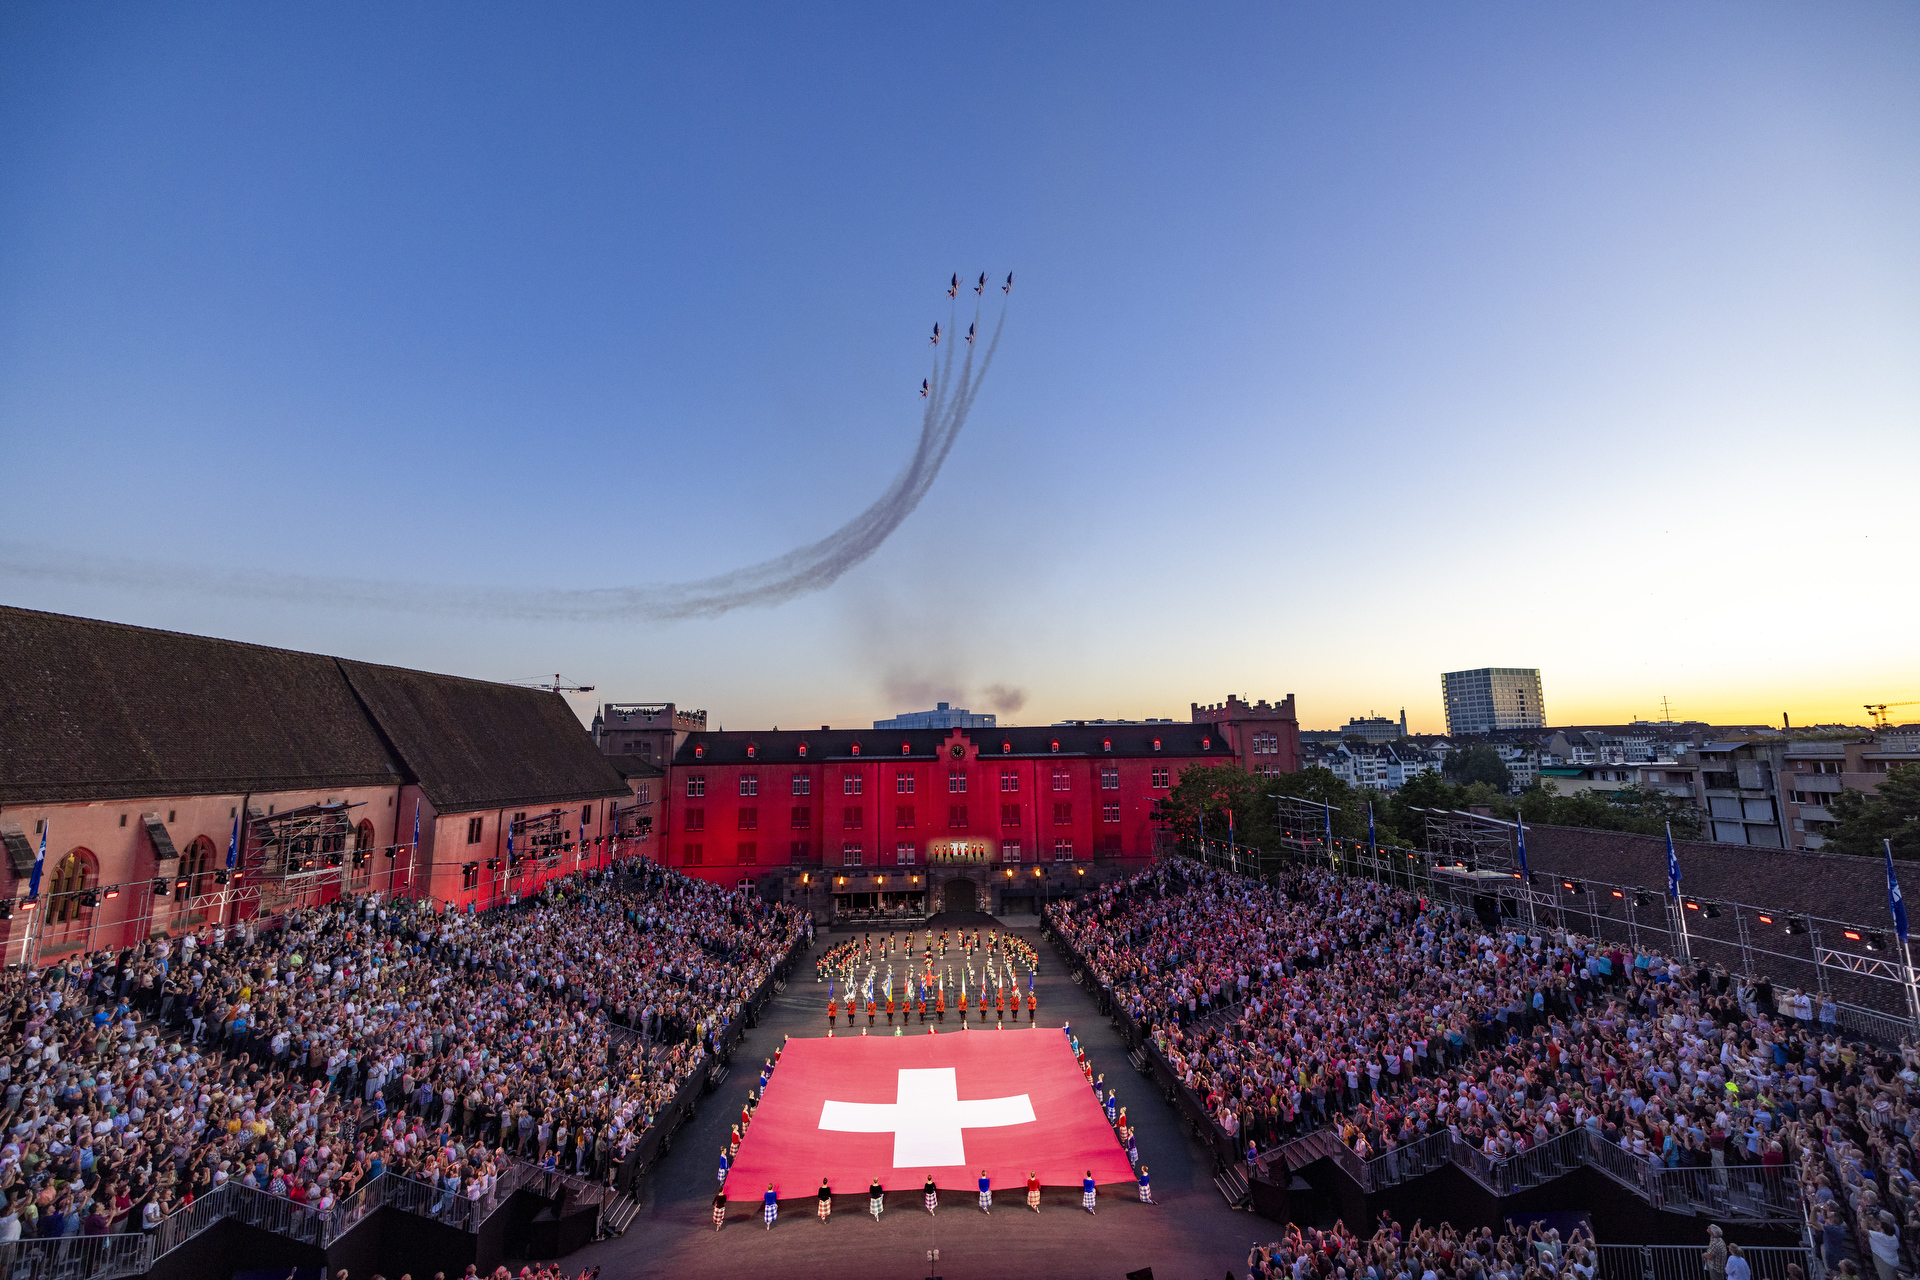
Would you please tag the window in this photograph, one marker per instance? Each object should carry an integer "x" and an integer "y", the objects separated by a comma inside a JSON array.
[
  {"x": 746, "y": 853},
  {"x": 957, "y": 783},
  {"x": 586, "y": 814},
  {"x": 903, "y": 784},
  {"x": 696, "y": 819},
  {"x": 1063, "y": 849},
  {"x": 904, "y": 853},
  {"x": 470, "y": 876},
  {"x": 692, "y": 854},
  {"x": 1160, "y": 777},
  {"x": 797, "y": 852},
  {"x": 850, "y": 784},
  {"x": 1062, "y": 781},
  {"x": 802, "y": 816},
  {"x": 696, "y": 785},
  {"x": 956, "y": 815},
  {"x": 1009, "y": 780},
  {"x": 1110, "y": 813},
  {"x": 1109, "y": 779},
  {"x": 853, "y": 817},
  {"x": 644, "y": 793},
  {"x": 749, "y": 784},
  {"x": 802, "y": 785},
  {"x": 1010, "y": 851},
  {"x": 1109, "y": 843},
  {"x": 1062, "y": 815},
  {"x": 903, "y": 816},
  {"x": 850, "y": 854},
  {"x": 1009, "y": 815},
  {"x": 749, "y": 819},
  {"x": 474, "y": 826}
]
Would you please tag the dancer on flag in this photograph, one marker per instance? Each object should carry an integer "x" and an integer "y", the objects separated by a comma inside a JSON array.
[
  {"x": 932, "y": 1192},
  {"x": 1033, "y": 1191},
  {"x": 772, "y": 1209},
  {"x": 719, "y": 1208},
  {"x": 825, "y": 1210},
  {"x": 1146, "y": 1187},
  {"x": 876, "y": 1200},
  {"x": 1087, "y": 1192},
  {"x": 986, "y": 1194}
]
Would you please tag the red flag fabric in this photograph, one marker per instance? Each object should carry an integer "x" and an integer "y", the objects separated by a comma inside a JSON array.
[{"x": 853, "y": 1108}]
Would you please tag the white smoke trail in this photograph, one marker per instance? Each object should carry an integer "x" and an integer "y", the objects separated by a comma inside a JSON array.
[{"x": 799, "y": 572}]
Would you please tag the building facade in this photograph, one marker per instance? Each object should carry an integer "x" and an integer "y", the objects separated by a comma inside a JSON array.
[
  {"x": 1487, "y": 699},
  {"x": 1264, "y": 737},
  {"x": 992, "y": 819},
  {"x": 1377, "y": 728},
  {"x": 1813, "y": 773},
  {"x": 183, "y": 784}
]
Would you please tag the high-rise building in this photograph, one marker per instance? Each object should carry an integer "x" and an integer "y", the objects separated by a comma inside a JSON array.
[{"x": 1490, "y": 698}]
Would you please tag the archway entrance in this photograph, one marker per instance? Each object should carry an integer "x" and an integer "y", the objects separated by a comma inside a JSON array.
[{"x": 960, "y": 895}]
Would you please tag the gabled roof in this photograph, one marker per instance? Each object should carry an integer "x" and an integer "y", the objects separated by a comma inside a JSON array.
[
  {"x": 103, "y": 711},
  {"x": 1006, "y": 742},
  {"x": 473, "y": 744}
]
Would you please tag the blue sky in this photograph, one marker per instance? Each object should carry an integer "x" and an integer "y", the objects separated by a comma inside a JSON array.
[{"x": 1350, "y": 343}]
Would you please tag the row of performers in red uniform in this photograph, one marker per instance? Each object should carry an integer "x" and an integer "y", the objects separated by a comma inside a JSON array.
[{"x": 906, "y": 1009}]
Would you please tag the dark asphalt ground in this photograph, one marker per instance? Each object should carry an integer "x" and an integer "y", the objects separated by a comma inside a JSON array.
[{"x": 1190, "y": 1234}]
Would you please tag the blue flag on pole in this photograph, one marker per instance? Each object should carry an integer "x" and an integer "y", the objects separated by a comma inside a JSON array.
[
  {"x": 1895, "y": 903},
  {"x": 1370, "y": 839},
  {"x": 39, "y": 862},
  {"x": 233, "y": 843},
  {"x": 1673, "y": 866},
  {"x": 1328, "y": 815},
  {"x": 1520, "y": 831},
  {"x": 416, "y": 822}
]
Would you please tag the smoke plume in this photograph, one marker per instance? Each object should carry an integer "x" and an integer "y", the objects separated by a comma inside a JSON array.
[
  {"x": 799, "y": 572},
  {"x": 1004, "y": 698}
]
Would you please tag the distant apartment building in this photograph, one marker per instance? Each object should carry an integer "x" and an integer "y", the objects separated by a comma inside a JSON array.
[
  {"x": 942, "y": 716},
  {"x": 1377, "y": 728},
  {"x": 1491, "y": 698},
  {"x": 1813, "y": 773},
  {"x": 1381, "y": 767},
  {"x": 1736, "y": 783},
  {"x": 1572, "y": 779}
]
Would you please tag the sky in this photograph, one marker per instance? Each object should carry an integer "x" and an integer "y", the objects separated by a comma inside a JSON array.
[{"x": 1349, "y": 344}]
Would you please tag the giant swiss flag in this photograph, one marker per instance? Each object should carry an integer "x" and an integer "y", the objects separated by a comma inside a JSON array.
[{"x": 853, "y": 1108}]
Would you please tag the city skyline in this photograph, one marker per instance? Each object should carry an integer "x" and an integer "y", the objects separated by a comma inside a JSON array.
[{"x": 1344, "y": 351}]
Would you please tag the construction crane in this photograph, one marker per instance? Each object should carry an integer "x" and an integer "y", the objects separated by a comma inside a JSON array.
[
  {"x": 1878, "y": 710},
  {"x": 558, "y": 686}
]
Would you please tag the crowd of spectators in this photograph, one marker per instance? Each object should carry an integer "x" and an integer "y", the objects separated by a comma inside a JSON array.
[
  {"x": 361, "y": 1038},
  {"x": 1324, "y": 1001},
  {"x": 1398, "y": 1252}
]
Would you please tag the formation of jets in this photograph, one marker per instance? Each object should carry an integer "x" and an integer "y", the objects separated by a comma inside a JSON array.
[{"x": 953, "y": 291}]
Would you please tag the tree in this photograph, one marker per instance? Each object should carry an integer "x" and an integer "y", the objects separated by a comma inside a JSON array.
[
  {"x": 1478, "y": 763},
  {"x": 1214, "y": 792},
  {"x": 1863, "y": 821}
]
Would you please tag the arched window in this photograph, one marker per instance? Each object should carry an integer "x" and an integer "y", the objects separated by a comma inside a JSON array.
[
  {"x": 70, "y": 881},
  {"x": 197, "y": 865}
]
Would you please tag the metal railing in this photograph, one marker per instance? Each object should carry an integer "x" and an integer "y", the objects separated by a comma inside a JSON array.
[
  {"x": 1410, "y": 1160},
  {"x": 1529, "y": 1168},
  {"x": 77, "y": 1258},
  {"x": 1683, "y": 1261}
]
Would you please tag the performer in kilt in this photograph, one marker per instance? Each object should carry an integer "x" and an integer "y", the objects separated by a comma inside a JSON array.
[
  {"x": 876, "y": 1200},
  {"x": 719, "y": 1208},
  {"x": 1146, "y": 1187},
  {"x": 986, "y": 1194},
  {"x": 1033, "y": 1191},
  {"x": 1087, "y": 1192},
  {"x": 932, "y": 1194},
  {"x": 825, "y": 1210},
  {"x": 772, "y": 1209}
]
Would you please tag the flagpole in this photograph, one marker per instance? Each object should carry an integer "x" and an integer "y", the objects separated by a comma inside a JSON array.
[
  {"x": 1679, "y": 902},
  {"x": 1897, "y": 907}
]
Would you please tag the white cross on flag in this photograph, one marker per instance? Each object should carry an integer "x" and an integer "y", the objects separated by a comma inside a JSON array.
[{"x": 902, "y": 1107}]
